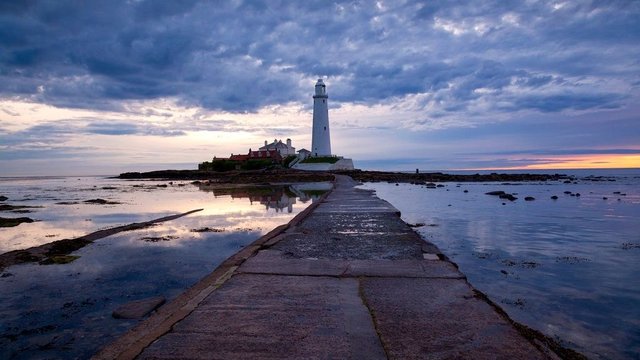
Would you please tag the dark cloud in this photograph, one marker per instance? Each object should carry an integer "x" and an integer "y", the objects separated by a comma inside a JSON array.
[
  {"x": 239, "y": 56},
  {"x": 559, "y": 102}
]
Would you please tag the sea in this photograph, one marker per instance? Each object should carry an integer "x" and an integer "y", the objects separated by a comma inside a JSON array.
[
  {"x": 64, "y": 311},
  {"x": 567, "y": 267}
]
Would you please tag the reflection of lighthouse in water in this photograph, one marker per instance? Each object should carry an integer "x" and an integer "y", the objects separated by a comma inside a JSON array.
[
  {"x": 321, "y": 137},
  {"x": 278, "y": 201}
]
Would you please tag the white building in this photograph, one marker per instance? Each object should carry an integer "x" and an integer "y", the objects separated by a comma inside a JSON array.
[
  {"x": 320, "y": 137},
  {"x": 283, "y": 149}
]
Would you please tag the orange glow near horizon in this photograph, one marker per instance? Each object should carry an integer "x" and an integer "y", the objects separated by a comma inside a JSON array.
[{"x": 602, "y": 161}]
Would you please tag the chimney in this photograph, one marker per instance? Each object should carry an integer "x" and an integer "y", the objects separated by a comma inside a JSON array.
[
  {"x": 265, "y": 143},
  {"x": 289, "y": 142}
]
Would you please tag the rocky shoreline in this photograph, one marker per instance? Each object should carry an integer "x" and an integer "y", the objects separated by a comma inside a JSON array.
[
  {"x": 291, "y": 175},
  {"x": 424, "y": 178},
  {"x": 232, "y": 177}
]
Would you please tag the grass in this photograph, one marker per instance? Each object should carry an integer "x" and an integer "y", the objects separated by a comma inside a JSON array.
[{"x": 320, "y": 160}]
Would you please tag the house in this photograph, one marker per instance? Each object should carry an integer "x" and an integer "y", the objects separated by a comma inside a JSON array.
[
  {"x": 284, "y": 149},
  {"x": 271, "y": 154}
]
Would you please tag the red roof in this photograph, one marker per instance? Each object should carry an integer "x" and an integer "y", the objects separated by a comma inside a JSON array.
[
  {"x": 265, "y": 154},
  {"x": 239, "y": 157}
]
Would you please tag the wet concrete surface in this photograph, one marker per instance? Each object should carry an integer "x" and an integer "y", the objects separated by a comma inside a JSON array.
[{"x": 352, "y": 280}]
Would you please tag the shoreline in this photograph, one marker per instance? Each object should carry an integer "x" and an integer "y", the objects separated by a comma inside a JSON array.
[{"x": 292, "y": 175}]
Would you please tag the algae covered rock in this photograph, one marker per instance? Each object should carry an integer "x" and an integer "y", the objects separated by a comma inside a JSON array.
[{"x": 11, "y": 222}]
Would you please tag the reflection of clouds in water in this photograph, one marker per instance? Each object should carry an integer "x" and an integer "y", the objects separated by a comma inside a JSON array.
[
  {"x": 140, "y": 201},
  {"x": 78, "y": 297},
  {"x": 591, "y": 302}
]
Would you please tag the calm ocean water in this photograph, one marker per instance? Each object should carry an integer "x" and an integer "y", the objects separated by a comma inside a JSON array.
[
  {"x": 64, "y": 311},
  {"x": 567, "y": 267}
]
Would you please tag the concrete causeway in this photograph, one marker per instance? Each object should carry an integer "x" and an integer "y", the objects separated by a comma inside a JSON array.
[{"x": 351, "y": 280}]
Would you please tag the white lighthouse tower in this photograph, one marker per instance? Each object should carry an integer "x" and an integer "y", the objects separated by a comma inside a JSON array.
[{"x": 321, "y": 138}]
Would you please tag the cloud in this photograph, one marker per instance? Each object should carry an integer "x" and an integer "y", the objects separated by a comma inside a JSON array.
[
  {"x": 240, "y": 56},
  {"x": 170, "y": 69}
]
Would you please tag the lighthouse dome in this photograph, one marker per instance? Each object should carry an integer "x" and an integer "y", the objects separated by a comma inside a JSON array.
[{"x": 321, "y": 88}]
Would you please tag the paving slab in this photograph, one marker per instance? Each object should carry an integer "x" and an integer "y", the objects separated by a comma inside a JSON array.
[
  {"x": 275, "y": 317},
  {"x": 441, "y": 319},
  {"x": 276, "y": 263},
  {"x": 403, "y": 268}
]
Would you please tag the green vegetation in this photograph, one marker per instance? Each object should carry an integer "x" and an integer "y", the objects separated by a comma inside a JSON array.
[
  {"x": 59, "y": 259},
  {"x": 320, "y": 159},
  {"x": 256, "y": 164},
  {"x": 222, "y": 165},
  {"x": 218, "y": 165}
]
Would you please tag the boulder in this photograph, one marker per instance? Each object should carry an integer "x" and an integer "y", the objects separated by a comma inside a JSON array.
[
  {"x": 508, "y": 197},
  {"x": 529, "y": 198},
  {"x": 496, "y": 193}
]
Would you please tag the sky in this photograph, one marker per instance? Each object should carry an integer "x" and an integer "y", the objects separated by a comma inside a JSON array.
[{"x": 103, "y": 87}]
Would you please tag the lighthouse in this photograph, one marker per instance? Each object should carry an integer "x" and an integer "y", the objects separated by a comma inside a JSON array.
[{"x": 321, "y": 138}]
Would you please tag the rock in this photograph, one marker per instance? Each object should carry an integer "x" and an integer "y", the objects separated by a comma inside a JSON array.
[
  {"x": 59, "y": 259},
  {"x": 495, "y": 193},
  {"x": 138, "y": 309},
  {"x": 439, "y": 185},
  {"x": 431, "y": 185},
  {"x": 154, "y": 239},
  {"x": 101, "y": 202},
  {"x": 567, "y": 192},
  {"x": 16, "y": 208},
  {"x": 604, "y": 198},
  {"x": 3, "y": 198},
  {"x": 416, "y": 225},
  {"x": 11, "y": 222},
  {"x": 208, "y": 229},
  {"x": 578, "y": 194},
  {"x": 466, "y": 191},
  {"x": 508, "y": 197},
  {"x": 554, "y": 197},
  {"x": 529, "y": 198}
]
